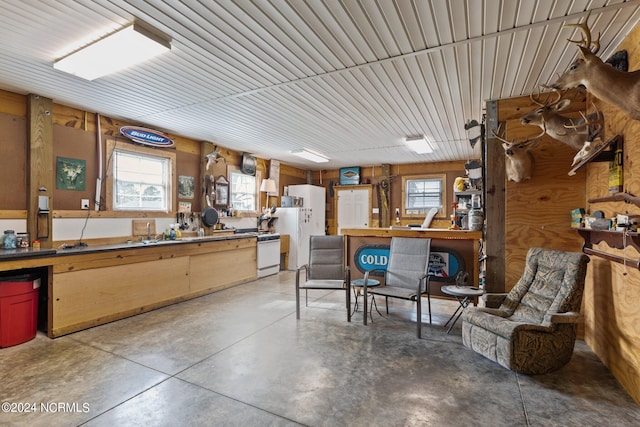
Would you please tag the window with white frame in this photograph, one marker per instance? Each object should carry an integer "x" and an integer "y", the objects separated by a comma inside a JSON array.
[
  {"x": 141, "y": 182},
  {"x": 243, "y": 191},
  {"x": 421, "y": 193}
]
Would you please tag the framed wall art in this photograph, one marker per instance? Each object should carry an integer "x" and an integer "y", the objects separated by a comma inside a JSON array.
[
  {"x": 71, "y": 174},
  {"x": 350, "y": 176},
  {"x": 222, "y": 192},
  {"x": 186, "y": 187}
]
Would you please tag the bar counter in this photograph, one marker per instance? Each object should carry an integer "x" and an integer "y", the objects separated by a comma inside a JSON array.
[{"x": 456, "y": 244}]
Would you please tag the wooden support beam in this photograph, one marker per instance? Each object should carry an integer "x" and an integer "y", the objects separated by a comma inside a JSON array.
[
  {"x": 41, "y": 176},
  {"x": 494, "y": 172}
]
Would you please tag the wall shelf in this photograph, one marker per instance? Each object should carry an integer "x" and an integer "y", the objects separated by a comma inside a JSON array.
[
  {"x": 467, "y": 192},
  {"x": 599, "y": 154},
  {"x": 615, "y": 240}
]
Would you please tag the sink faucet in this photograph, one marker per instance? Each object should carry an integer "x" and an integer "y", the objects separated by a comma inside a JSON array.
[{"x": 148, "y": 231}]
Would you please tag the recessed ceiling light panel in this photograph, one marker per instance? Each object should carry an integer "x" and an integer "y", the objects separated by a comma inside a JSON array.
[
  {"x": 419, "y": 144},
  {"x": 309, "y": 155},
  {"x": 129, "y": 46}
]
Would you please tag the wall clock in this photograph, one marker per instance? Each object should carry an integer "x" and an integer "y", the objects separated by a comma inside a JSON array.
[{"x": 249, "y": 164}]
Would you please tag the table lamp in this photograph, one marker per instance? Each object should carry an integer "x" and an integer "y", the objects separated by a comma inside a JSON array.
[{"x": 268, "y": 186}]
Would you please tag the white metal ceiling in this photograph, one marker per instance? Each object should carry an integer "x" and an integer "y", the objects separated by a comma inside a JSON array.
[{"x": 346, "y": 78}]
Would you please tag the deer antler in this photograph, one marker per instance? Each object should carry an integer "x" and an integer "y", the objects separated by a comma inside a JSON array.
[
  {"x": 585, "y": 40},
  {"x": 586, "y": 124},
  {"x": 546, "y": 102},
  {"x": 528, "y": 141}
]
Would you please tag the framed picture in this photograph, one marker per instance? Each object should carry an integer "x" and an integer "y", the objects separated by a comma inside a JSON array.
[
  {"x": 350, "y": 176},
  {"x": 71, "y": 174},
  {"x": 184, "y": 207},
  {"x": 186, "y": 187},
  {"x": 222, "y": 192}
]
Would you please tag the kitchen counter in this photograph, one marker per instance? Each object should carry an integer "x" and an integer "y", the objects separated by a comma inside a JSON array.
[
  {"x": 24, "y": 253},
  {"x": 150, "y": 243},
  {"x": 95, "y": 284},
  {"x": 27, "y": 253},
  {"x": 433, "y": 233}
]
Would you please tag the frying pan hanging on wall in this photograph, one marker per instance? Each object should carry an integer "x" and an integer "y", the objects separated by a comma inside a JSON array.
[{"x": 209, "y": 216}]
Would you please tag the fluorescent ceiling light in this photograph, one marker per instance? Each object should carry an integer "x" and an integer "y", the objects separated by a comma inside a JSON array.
[
  {"x": 306, "y": 154},
  {"x": 419, "y": 144},
  {"x": 126, "y": 47}
]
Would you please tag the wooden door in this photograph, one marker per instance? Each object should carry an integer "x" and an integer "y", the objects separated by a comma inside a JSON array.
[{"x": 353, "y": 206}]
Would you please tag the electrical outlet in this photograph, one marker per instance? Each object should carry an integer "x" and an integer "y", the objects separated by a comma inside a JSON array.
[{"x": 84, "y": 204}]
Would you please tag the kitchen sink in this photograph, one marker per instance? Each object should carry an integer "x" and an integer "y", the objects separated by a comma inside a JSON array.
[{"x": 151, "y": 242}]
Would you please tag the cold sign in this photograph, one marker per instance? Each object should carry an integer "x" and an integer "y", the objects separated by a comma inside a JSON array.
[{"x": 371, "y": 257}]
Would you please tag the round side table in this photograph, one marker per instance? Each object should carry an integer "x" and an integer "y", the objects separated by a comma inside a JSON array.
[
  {"x": 358, "y": 284},
  {"x": 464, "y": 295}
]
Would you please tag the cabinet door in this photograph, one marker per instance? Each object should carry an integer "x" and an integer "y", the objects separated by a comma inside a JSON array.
[{"x": 353, "y": 207}]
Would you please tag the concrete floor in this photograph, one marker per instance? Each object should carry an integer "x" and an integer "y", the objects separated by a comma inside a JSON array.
[{"x": 239, "y": 358}]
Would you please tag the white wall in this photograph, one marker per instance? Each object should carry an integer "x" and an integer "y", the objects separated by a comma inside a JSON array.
[{"x": 95, "y": 228}]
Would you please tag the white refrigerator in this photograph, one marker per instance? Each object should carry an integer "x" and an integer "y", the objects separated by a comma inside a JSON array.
[{"x": 302, "y": 222}]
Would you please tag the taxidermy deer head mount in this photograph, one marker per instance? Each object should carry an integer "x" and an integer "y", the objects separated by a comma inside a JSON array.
[
  {"x": 569, "y": 131},
  {"x": 618, "y": 88},
  {"x": 519, "y": 161}
]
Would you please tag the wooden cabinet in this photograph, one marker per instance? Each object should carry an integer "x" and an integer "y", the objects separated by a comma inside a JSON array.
[
  {"x": 95, "y": 288},
  {"x": 90, "y": 297}
]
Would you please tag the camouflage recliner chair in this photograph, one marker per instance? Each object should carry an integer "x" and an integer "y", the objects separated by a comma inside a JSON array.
[{"x": 533, "y": 330}]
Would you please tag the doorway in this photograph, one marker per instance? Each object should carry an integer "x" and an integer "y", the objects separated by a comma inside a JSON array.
[{"x": 353, "y": 207}]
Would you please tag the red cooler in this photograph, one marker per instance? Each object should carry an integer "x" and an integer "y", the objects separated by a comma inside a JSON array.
[{"x": 18, "y": 309}]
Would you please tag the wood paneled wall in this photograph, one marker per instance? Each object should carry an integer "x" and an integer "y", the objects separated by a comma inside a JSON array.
[
  {"x": 537, "y": 214},
  {"x": 537, "y": 210},
  {"x": 612, "y": 292},
  {"x": 75, "y": 137},
  {"x": 374, "y": 174}
]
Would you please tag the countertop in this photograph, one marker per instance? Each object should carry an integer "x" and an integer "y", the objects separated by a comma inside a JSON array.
[
  {"x": 434, "y": 233},
  {"x": 27, "y": 253},
  {"x": 23, "y": 253}
]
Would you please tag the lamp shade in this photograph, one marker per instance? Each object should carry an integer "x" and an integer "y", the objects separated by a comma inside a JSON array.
[{"x": 268, "y": 186}]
